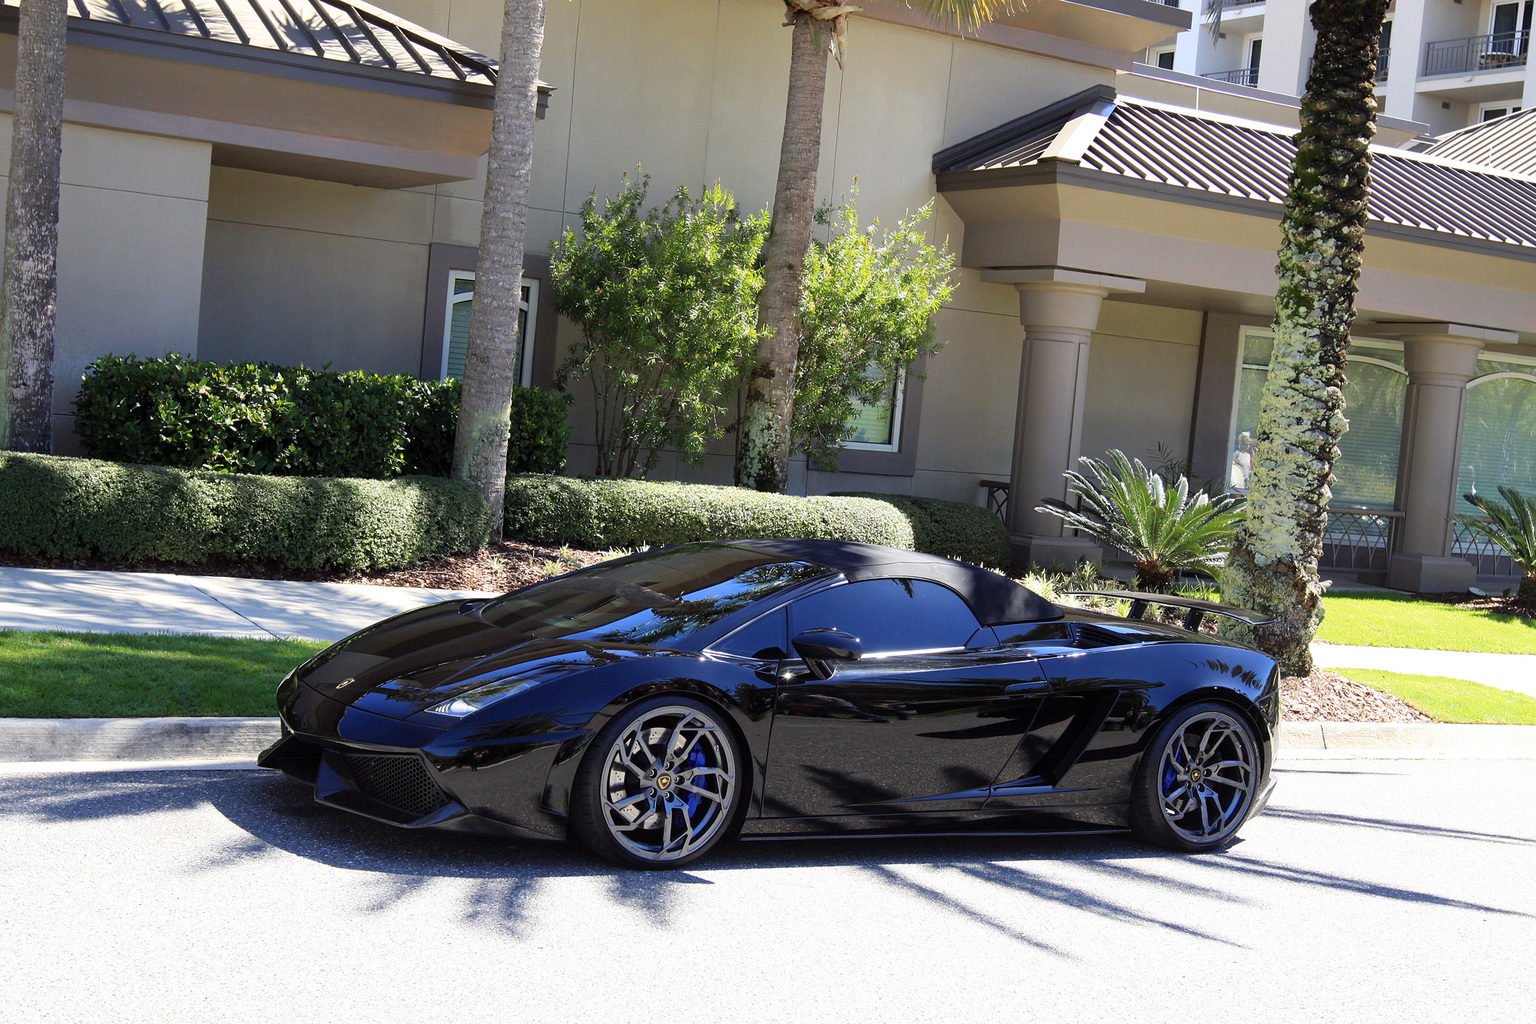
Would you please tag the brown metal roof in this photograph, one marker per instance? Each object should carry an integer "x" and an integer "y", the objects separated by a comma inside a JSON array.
[
  {"x": 1204, "y": 153},
  {"x": 333, "y": 30},
  {"x": 1507, "y": 143}
]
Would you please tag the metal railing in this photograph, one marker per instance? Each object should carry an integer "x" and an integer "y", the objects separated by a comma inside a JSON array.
[
  {"x": 1359, "y": 539},
  {"x": 1237, "y": 76},
  {"x": 997, "y": 498},
  {"x": 1496, "y": 52},
  {"x": 1478, "y": 548}
]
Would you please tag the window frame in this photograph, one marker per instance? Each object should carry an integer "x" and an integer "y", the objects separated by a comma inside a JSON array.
[
  {"x": 795, "y": 628},
  {"x": 898, "y": 400},
  {"x": 531, "y": 305},
  {"x": 887, "y": 460},
  {"x": 445, "y": 258}
]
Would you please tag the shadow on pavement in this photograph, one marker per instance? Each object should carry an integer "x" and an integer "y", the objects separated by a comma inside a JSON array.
[{"x": 278, "y": 816}]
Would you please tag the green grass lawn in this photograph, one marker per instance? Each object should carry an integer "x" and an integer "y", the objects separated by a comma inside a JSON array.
[
  {"x": 1451, "y": 700},
  {"x": 131, "y": 675},
  {"x": 1374, "y": 619}
]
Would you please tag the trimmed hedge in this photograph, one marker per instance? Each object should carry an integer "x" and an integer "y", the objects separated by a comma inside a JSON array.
[
  {"x": 73, "y": 508},
  {"x": 611, "y": 513},
  {"x": 294, "y": 421},
  {"x": 955, "y": 529}
]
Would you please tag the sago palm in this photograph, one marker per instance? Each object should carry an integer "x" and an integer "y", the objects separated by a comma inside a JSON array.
[
  {"x": 1511, "y": 524},
  {"x": 1167, "y": 529}
]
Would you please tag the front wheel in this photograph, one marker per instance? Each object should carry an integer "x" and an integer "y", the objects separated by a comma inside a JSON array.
[
  {"x": 1197, "y": 780},
  {"x": 660, "y": 785}
]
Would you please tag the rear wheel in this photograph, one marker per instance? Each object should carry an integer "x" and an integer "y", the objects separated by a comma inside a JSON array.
[
  {"x": 1197, "y": 780},
  {"x": 660, "y": 785}
]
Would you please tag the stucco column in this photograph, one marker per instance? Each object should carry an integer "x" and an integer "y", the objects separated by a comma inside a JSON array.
[
  {"x": 1441, "y": 359},
  {"x": 1059, "y": 310}
]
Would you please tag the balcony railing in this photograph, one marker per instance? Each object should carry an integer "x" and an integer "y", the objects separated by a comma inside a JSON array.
[
  {"x": 1476, "y": 547},
  {"x": 1382, "y": 62},
  {"x": 1237, "y": 76},
  {"x": 1496, "y": 52}
]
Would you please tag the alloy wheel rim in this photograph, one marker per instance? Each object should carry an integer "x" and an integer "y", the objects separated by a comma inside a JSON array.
[
  {"x": 1207, "y": 777},
  {"x": 668, "y": 783}
]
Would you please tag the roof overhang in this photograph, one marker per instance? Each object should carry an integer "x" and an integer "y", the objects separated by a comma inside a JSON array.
[
  {"x": 278, "y": 111},
  {"x": 1103, "y": 33}
]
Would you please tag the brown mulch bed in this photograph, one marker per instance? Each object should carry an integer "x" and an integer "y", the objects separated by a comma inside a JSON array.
[
  {"x": 1329, "y": 697},
  {"x": 1491, "y": 603},
  {"x": 504, "y": 566}
]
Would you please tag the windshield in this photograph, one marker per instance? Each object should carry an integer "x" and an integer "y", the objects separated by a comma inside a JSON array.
[{"x": 654, "y": 599}]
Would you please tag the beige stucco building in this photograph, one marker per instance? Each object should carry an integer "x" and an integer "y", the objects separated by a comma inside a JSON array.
[{"x": 310, "y": 192}]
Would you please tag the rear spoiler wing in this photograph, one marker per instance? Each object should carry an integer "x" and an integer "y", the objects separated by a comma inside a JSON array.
[{"x": 1195, "y": 607}]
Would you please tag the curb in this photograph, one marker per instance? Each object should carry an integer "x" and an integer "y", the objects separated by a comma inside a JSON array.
[
  {"x": 213, "y": 739},
  {"x": 134, "y": 739}
]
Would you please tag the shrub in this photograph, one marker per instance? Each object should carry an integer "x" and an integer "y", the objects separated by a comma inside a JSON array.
[
  {"x": 1165, "y": 529},
  {"x": 1511, "y": 524},
  {"x": 666, "y": 300},
  {"x": 74, "y": 508},
  {"x": 629, "y": 513},
  {"x": 293, "y": 421},
  {"x": 954, "y": 529}
]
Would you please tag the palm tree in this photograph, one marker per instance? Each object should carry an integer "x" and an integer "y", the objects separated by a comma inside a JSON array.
[
  {"x": 820, "y": 27},
  {"x": 1166, "y": 527},
  {"x": 1273, "y": 563},
  {"x": 29, "y": 281},
  {"x": 490, "y": 362},
  {"x": 1511, "y": 524}
]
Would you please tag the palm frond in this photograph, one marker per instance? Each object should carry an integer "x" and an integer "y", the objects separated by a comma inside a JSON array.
[
  {"x": 1123, "y": 504},
  {"x": 1511, "y": 524}
]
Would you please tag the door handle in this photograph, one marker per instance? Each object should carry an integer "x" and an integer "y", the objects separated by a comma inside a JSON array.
[{"x": 1033, "y": 684}]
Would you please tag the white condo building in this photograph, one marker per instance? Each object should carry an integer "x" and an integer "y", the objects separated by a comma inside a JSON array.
[{"x": 1446, "y": 63}]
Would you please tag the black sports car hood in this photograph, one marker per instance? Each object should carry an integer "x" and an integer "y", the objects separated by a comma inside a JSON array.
[{"x": 408, "y": 663}]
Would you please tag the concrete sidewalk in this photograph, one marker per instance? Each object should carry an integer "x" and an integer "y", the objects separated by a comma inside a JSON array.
[
  {"x": 1504, "y": 671},
  {"x": 151, "y": 602}
]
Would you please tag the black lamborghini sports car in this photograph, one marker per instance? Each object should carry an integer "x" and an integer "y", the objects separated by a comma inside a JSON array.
[{"x": 654, "y": 705}]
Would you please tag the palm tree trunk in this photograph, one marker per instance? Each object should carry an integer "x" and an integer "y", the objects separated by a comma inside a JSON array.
[
  {"x": 29, "y": 281},
  {"x": 763, "y": 453},
  {"x": 490, "y": 362},
  {"x": 1273, "y": 564}
]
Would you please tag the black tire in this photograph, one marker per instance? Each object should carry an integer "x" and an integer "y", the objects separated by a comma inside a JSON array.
[
  {"x": 1197, "y": 780},
  {"x": 661, "y": 784}
]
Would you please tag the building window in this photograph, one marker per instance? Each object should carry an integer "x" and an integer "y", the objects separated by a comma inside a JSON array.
[
  {"x": 1255, "y": 48},
  {"x": 1510, "y": 26},
  {"x": 876, "y": 426},
  {"x": 461, "y": 295},
  {"x": 1375, "y": 387},
  {"x": 1163, "y": 58},
  {"x": 1489, "y": 111},
  {"x": 1498, "y": 438}
]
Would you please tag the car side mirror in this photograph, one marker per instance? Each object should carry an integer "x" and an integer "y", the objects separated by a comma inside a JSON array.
[{"x": 822, "y": 647}]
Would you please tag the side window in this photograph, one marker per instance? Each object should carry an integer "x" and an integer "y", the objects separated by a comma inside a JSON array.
[
  {"x": 763, "y": 638},
  {"x": 890, "y": 615},
  {"x": 461, "y": 296}
]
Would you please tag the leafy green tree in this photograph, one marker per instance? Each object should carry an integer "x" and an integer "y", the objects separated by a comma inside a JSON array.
[
  {"x": 820, "y": 28},
  {"x": 1273, "y": 563},
  {"x": 865, "y": 315},
  {"x": 665, "y": 298},
  {"x": 1511, "y": 524},
  {"x": 1165, "y": 529}
]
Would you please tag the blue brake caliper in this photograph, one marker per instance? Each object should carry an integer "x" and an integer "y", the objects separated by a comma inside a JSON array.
[{"x": 695, "y": 760}]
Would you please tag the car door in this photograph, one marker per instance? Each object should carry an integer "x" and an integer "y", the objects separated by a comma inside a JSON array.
[{"x": 923, "y": 722}]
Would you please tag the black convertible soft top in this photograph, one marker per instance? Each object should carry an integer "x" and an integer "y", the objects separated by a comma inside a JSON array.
[{"x": 994, "y": 598}]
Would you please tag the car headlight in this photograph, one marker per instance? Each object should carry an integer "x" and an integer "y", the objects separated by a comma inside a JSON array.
[{"x": 473, "y": 700}]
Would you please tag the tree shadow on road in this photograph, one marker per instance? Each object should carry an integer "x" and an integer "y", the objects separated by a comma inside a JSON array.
[{"x": 497, "y": 884}]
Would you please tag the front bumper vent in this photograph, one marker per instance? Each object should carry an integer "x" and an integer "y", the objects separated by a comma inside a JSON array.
[{"x": 400, "y": 781}]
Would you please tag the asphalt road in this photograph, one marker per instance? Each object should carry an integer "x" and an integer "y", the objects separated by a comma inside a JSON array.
[{"x": 1372, "y": 891}]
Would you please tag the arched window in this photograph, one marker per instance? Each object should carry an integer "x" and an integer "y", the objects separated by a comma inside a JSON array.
[{"x": 1498, "y": 440}]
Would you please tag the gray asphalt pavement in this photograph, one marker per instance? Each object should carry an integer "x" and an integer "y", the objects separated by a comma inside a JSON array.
[{"x": 1372, "y": 891}]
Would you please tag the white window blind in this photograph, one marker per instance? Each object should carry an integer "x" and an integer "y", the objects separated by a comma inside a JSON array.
[
  {"x": 1374, "y": 391},
  {"x": 1498, "y": 440},
  {"x": 876, "y": 426}
]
